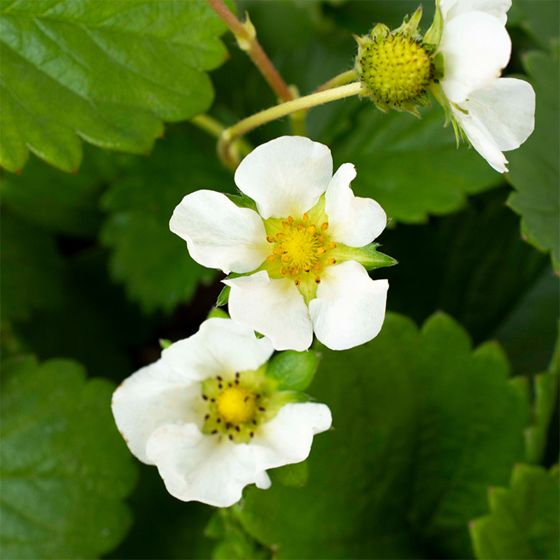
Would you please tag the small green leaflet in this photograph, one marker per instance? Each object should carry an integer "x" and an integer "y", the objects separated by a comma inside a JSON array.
[{"x": 523, "y": 519}]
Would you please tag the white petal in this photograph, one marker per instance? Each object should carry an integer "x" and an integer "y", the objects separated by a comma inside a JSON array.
[
  {"x": 218, "y": 233},
  {"x": 285, "y": 176},
  {"x": 274, "y": 308},
  {"x": 353, "y": 220},
  {"x": 496, "y": 8},
  {"x": 220, "y": 346},
  {"x": 506, "y": 109},
  {"x": 500, "y": 118},
  {"x": 287, "y": 438},
  {"x": 203, "y": 468},
  {"x": 263, "y": 481},
  {"x": 150, "y": 398},
  {"x": 476, "y": 47},
  {"x": 350, "y": 307}
]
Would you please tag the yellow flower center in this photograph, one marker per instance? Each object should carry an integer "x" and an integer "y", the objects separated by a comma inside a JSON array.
[
  {"x": 300, "y": 249},
  {"x": 396, "y": 69},
  {"x": 236, "y": 405}
]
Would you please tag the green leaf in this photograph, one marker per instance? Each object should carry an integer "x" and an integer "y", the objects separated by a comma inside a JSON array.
[
  {"x": 472, "y": 265},
  {"x": 411, "y": 167},
  {"x": 545, "y": 390},
  {"x": 295, "y": 475},
  {"x": 65, "y": 470},
  {"x": 154, "y": 263},
  {"x": 294, "y": 370},
  {"x": 523, "y": 520},
  {"x": 58, "y": 201},
  {"x": 422, "y": 426},
  {"x": 30, "y": 269},
  {"x": 539, "y": 20},
  {"x": 93, "y": 322},
  {"x": 103, "y": 71},
  {"x": 235, "y": 543},
  {"x": 529, "y": 332},
  {"x": 534, "y": 167}
]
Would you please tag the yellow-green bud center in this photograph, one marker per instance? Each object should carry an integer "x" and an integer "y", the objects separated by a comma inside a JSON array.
[
  {"x": 396, "y": 69},
  {"x": 236, "y": 405}
]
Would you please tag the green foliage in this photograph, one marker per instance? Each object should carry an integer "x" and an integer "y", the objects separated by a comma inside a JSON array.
[
  {"x": 529, "y": 332},
  {"x": 294, "y": 370},
  {"x": 234, "y": 542},
  {"x": 153, "y": 263},
  {"x": 65, "y": 470},
  {"x": 30, "y": 269},
  {"x": 92, "y": 322},
  {"x": 474, "y": 266},
  {"x": 412, "y": 167},
  {"x": 541, "y": 23},
  {"x": 103, "y": 71},
  {"x": 58, "y": 201},
  {"x": 422, "y": 426},
  {"x": 523, "y": 520},
  {"x": 534, "y": 167},
  {"x": 545, "y": 396}
]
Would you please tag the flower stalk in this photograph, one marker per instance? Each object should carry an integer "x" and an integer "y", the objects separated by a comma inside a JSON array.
[
  {"x": 246, "y": 37},
  {"x": 338, "y": 80},
  {"x": 244, "y": 126}
]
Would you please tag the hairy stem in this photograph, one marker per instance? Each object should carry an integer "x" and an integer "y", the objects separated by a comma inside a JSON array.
[
  {"x": 278, "y": 111},
  {"x": 338, "y": 80},
  {"x": 239, "y": 148},
  {"x": 247, "y": 40}
]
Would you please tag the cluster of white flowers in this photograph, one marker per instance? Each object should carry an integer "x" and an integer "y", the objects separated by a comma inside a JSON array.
[
  {"x": 206, "y": 413},
  {"x": 296, "y": 247}
]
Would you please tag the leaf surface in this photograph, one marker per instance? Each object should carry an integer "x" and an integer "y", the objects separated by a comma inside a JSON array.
[
  {"x": 64, "y": 468},
  {"x": 422, "y": 426},
  {"x": 103, "y": 71}
]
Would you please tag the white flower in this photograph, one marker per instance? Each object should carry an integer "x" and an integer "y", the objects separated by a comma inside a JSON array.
[
  {"x": 303, "y": 247},
  {"x": 210, "y": 419},
  {"x": 496, "y": 114}
]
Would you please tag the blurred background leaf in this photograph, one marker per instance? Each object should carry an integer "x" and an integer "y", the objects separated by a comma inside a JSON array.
[
  {"x": 153, "y": 263},
  {"x": 103, "y": 71},
  {"x": 534, "y": 168},
  {"x": 392, "y": 151},
  {"x": 422, "y": 427},
  {"x": 65, "y": 470},
  {"x": 30, "y": 268},
  {"x": 523, "y": 522}
]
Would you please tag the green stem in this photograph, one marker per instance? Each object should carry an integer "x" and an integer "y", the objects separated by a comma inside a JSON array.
[
  {"x": 278, "y": 111},
  {"x": 239, "y": 148},
  {"x": 208, "y": 124},
  {"x": 246, "y": 37},
  {"x": 339, "y": 80}
]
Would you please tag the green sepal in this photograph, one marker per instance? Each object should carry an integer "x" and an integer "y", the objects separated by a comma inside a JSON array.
[
  {"x": 433, "y": 35},
  {"x": 439, "y": 66},
  {"x": 164, "y": 343},
  {"x": 379, "y": 31},
  {"x": 243, "y": 201},
  {"x": 410, "y": 24},
  {"x": 367, "y": 256},
  {"x": 216, "y": 313},
  {"x": 223, "y": 296},
  {"x": 293, "y": 476},
  {"x": 294, "y": 370}
]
